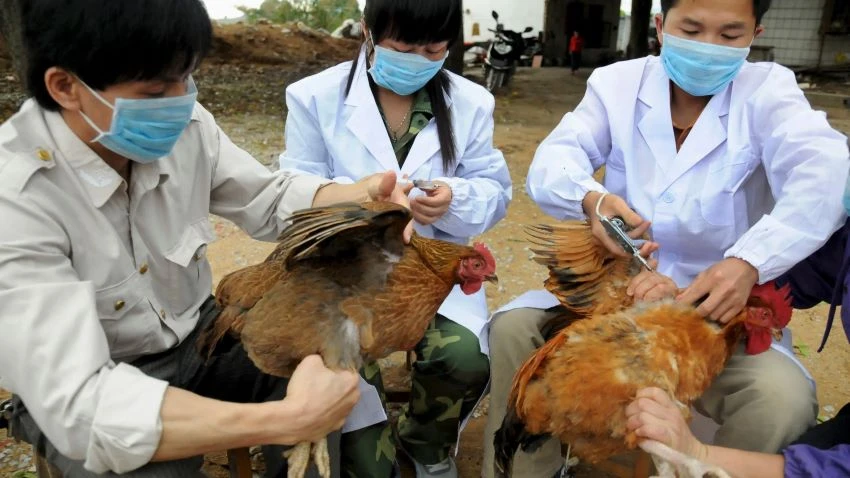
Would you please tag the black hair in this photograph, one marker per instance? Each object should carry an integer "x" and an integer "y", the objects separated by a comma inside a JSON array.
[
  {"x": 760, "y": 7},
  {"x": 419, "y": 22},
  {"x": 109, "y": 42}
]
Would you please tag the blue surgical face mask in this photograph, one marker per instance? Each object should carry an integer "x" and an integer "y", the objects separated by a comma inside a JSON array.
[
  {"x": 145, "y": 130},
  {"x": 403, "y": 73},
  {"x": 701, "y": 69}
]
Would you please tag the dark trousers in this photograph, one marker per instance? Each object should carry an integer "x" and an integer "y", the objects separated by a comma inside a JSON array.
[
  {"x": 229, "y": 375},
  {"x": 829, "y": 433},
  {"x": 575, "y": 60}
]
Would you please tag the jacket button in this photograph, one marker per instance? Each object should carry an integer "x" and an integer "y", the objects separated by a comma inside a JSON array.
[
  {"x": 144, "y": 269},
  {"x": 43, "y": 154},
  {"x": 668, "y": 197},
  {"x": 162, "y": 314},
  {"x": 119, "y": 304}
]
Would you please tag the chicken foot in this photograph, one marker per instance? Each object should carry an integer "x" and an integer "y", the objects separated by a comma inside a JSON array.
[
  {"x": 671, "y": 463},
  {"x": 322, "y": 458},
  {"x": 297, "y": 459}
]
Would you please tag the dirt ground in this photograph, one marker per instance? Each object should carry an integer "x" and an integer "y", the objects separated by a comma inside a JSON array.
[{"x": 243, "y": 86}]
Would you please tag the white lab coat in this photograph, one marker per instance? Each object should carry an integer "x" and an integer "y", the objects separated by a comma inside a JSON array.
[
  {"x": 344, "y": 138},
  {"x": 760, "y": 176}
]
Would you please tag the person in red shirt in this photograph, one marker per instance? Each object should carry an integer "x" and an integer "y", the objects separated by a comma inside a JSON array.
[{"x": 576, "y": 46}]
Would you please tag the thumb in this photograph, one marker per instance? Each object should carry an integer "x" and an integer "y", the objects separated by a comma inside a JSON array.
[
  {"x": 408, "y": 232},
  {"x": 313, "y": 361},
  {"x": 387, "y": 185}
]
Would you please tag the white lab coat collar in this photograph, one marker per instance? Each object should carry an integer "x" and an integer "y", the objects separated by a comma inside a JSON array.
[
  {"x": 365, "y": 122},
  {"x": 708, "y": 133}
]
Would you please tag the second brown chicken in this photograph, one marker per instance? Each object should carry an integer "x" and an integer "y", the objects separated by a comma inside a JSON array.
[{"x": 605, "y": 347}]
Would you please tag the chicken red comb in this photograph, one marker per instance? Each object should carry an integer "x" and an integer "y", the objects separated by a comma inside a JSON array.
[
  {"x": 486, "y": 254},
  {"x": 778, "y": 299}
]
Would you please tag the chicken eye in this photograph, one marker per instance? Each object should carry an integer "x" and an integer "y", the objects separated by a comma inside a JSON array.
[{"x": 478, "y": 265}]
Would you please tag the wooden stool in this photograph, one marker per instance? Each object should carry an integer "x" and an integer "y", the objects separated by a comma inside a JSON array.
[
  {"x": 43, "y": 469},
  {"x": 239, "y": 463}
]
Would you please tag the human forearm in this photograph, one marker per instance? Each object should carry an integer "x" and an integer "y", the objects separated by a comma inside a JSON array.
[
  {"x": 193, "y": 425},
  {"x": 744, "y": 464},
  {"x": 767, "y": 245},
  {"x": 588, "y": 204},
  {"x": 655, "y": 417},
  {"x": 335, "y": 193},
  {"x": 561, "y": 173},
  {"x": 806, "y": 164},
  {"x": 560, "y": 190},
  {"x": 317, "y": 402},
  {"x": 377, "y": 187}
]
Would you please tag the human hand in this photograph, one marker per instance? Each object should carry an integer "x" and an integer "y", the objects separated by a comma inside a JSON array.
[
  {"x": 321, "y": 398},
  {"x": 612, "y": 206},
  {"x": 654, "y": 416},
  {"x": 728, "y": 285},
  {"x": 652, "y": 286},
  {"x": 384, "y": 187},
  {"x": 430, "y": 207}
]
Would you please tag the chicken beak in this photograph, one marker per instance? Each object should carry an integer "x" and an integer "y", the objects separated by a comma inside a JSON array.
[{"x": 493, "y": 279}]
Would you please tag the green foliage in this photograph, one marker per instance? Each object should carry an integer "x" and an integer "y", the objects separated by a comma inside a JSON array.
[
  {"x": 24, "y": 474},
  {"x": 801, "y": 349},
  {"x": 327, "y": 14}
]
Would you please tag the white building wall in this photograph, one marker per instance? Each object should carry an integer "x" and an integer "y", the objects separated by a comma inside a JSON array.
[
  {"x": 514, "y": 14},
  {"x": 624, "y": 32},
  {"x": 792, "y": 28}
]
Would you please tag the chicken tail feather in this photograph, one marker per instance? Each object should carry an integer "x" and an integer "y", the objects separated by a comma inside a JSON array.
[{"x": 511, "y": 437}]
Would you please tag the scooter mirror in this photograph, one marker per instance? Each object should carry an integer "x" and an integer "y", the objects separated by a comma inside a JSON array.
[
  {"x": 527, "y": 29},
  {"x": 495, "y": 16}
]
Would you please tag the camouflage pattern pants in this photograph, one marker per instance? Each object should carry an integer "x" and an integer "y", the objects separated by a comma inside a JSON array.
[{"x": 449, "y": 375}]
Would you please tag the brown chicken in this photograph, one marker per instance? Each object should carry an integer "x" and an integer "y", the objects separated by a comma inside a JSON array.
[
  {"x": 577, "y": 386},
  {"x": 342, "y": 284}
]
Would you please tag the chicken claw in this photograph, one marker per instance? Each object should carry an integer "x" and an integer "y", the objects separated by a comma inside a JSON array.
[
  {"x": 297, "y": 458},
  {"x": 669, "y": 461},
  {"x": 322, "y": 458}
]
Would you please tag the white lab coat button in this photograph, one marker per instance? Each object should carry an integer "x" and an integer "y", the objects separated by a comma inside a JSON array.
[{"x": 668, "y": 197}]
